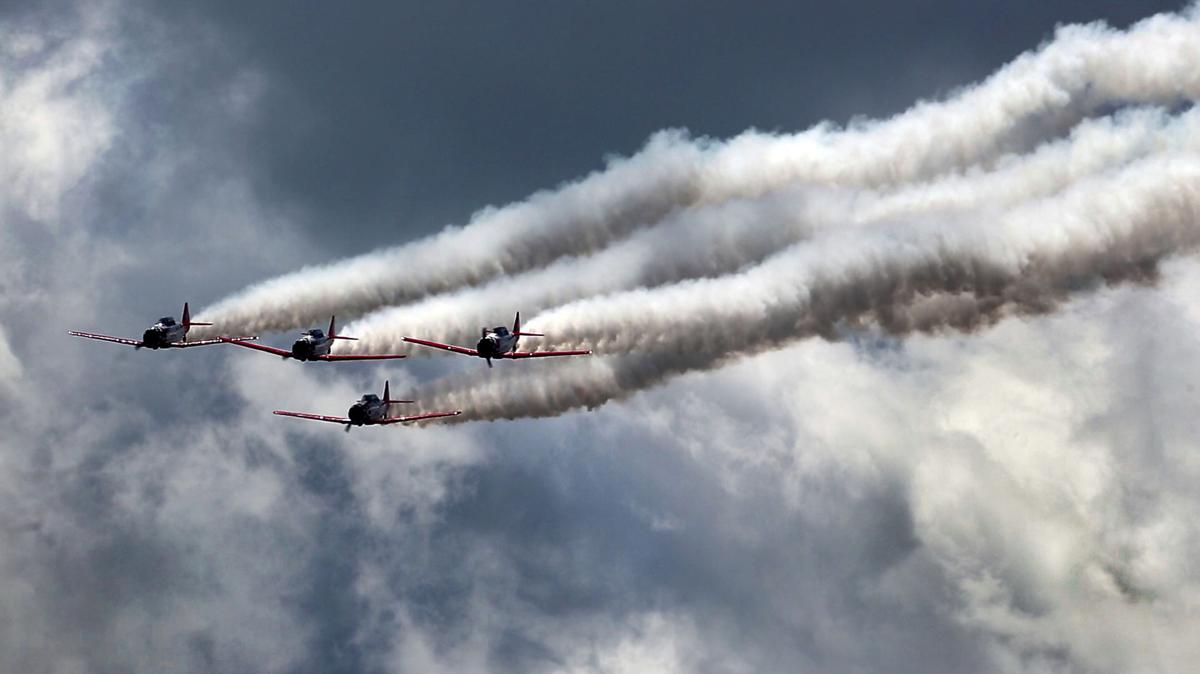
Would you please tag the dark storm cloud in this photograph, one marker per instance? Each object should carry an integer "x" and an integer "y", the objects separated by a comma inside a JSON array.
[{"x": 386, "y": 122}]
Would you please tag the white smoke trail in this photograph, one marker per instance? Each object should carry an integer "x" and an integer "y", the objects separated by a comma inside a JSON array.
[
  {"x": 722, "y": 238},
  {"x": 928, "y": 275},
  {"x": 1083, "y": 68}
]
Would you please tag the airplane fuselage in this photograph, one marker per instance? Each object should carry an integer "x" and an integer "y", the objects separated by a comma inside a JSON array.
[
  {"x": 311, "y": 345},
  {"x": 496, "y": 343},
  {"x": 368, "y": 410},
  {"x": 163, "y": 333},
  {"x": 166, "y": 332}
]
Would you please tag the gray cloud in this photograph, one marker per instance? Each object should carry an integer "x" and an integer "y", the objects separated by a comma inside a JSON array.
[{"x": 1017, "y": 500}]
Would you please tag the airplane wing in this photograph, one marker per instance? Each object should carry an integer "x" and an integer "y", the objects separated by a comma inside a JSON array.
[
  {"x": 257, "y": 347},
  {"x": 314, "y": 417},
  {"x": 331, "y": 356},
  {"x": 543, "y": 354},
  {"x": 106, "y": 338},
  {"x": 419, "y": 417},
  {"x": 199, "y": 342},
  {"x": 445, "y": 347}
]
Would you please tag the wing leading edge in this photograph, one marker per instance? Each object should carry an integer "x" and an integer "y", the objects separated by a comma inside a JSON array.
[
  {"x": 384, "y": 422},
  {"x": 314, "y": 417},
  {"x": 519, "y": 354},
  {"x": 419, "y": 417},
  {"x": 330, "y": 357},
  {"x": 106, "y": 338},
  {"x": 542, "y": 354},
  {"x": 257, "y": 347},
  {"x": 202, "y": 342},
  {"x": 445, "y": 347},
  {"x": 379, "y": 356},
  {"x": 136, "y": 343}
]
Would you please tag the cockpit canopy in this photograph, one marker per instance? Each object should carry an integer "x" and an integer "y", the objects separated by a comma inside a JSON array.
[
  {"x": 315, "y": 333},
  {"x": 167, "y": 321},
  {"x": 500, "y": 330},
  {"x": 369, "y": 398}
]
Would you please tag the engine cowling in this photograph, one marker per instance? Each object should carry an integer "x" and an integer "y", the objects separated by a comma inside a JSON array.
[
  {"x": 153, "y": 338},
  {"x": 302, "y": 349},
  {"x": 357, "y": 414},
  {"x": 487, "y": 348}
]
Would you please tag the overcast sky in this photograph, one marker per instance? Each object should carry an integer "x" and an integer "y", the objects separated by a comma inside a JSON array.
[{"x": 1020, "y": 499}]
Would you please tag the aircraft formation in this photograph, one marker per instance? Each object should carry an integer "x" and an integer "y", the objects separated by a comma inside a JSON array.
[{"x": 317, "y": 345}]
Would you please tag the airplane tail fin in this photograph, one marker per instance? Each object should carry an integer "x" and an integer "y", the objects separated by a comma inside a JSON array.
[
  {"x": 387, "y": 395},
  {"x": 517, "y": 329},
  {"x": 333, "y": 330},
  {"x": 187, "y": 319}
]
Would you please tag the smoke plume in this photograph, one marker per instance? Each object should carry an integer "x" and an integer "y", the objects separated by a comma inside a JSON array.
[
  {"x": 1082, "y": 70},
  {"x": 706, "y": 241},
  {"x": 1002, "y": 200},
  {"x": 961, "y": 274}
]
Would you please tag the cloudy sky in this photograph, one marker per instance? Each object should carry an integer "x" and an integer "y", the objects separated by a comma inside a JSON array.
[{"x": 924, "y": 486}]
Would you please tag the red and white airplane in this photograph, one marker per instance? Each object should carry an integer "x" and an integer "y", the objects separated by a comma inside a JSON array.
[
  {"x": 166, "y": 333},
  {"x": 498, "y": 342},
  {"x": 314, "y": 345},
  {"x": 370, "y": 410}
]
